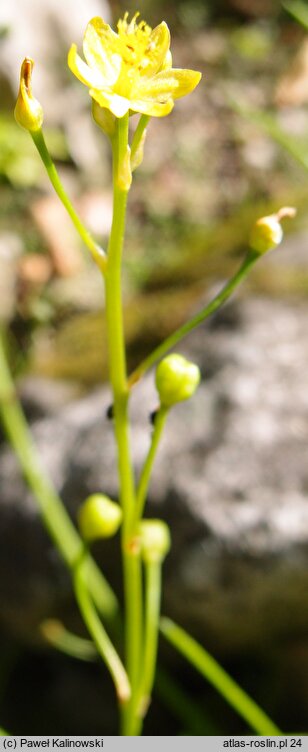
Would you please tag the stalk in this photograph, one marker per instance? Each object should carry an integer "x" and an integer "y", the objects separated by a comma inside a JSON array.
[
  {"x": 196, "y": 320},
  {"x": 143, "y": 485},
  {"x": 118, "y": 379},
  {"x": 100, "y": 637},
  {"x": 151, "y": 632},
  {"x": 98, "y": 254}
]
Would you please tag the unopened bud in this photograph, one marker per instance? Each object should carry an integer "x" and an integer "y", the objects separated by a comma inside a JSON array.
[
  {"x": 99, "y": 517},
  {"x": 155, "y": 540},
  {"x": 267, "y": 232},
  {"x": 138, "y": 155},
  {"x": 28, "y": 111},
  {"x": 176, "y": 379},
  {"x": 103, "y": 118},
  {"x": 125, "y": 172}
]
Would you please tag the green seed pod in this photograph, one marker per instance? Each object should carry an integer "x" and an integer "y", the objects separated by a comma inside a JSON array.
[
  {"x": 28, "y": 111},
  {"x": 99, "y": 517},
  {"x": 155, "y": 540},
  {"x": 176, "y": 379}
]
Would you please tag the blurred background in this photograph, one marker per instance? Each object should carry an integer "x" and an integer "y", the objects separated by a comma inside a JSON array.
[{"x": 234, "y": 150}]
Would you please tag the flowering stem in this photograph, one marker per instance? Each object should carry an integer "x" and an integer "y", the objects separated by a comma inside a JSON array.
[
  {"x": 118, "y": 378},
  {"x": 97, "y": 253},
  {"x": 142, "y": 489},
  {"x": 52, "y": 510},
  {"x": 99, "y": 636},
  {"x": 115, "y": 333},
  {"x": 131, "y": 723},
  {"x": 180, "y": 333}
]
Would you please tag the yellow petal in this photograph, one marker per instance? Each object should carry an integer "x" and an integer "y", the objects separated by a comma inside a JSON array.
[
  {"x": 118, "y": 105},
  {"x": 167, "y": 64},
  {"x": 81, "y": 70},
  {"x": 173, "y": 83},
  {"x": 99, "y": 47},
  {"x": 187, "y": 80},
  {"x": 159, "y": 43},
  {"x": 151, "y": 107}
]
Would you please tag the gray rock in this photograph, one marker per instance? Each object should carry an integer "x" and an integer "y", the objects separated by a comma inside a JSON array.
[{"x": 231, "y": 479}]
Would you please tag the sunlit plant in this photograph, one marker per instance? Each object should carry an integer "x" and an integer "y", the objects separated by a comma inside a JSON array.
[{"x": 127, "y": 71}]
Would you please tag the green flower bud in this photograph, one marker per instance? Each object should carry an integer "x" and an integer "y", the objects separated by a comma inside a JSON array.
[
  {"x": 138, "y": 156},
  {"x": 125, "y": 172},
  {"x": 99, "y": 517},
  {"x": 155, "y": 540},
  {"x": 176, "y": 379},
  {"x": 28, "y": 111},
  {"x": 267, "y": 232},
  {"x": 103, "y": 118}
]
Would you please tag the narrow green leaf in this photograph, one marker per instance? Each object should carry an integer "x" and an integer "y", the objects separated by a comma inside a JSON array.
[
  {"x": 66, "y": 642},
  {"x": 298, "y": 10},
  {"x": 218, "y": 677},
  {"x": 297, "y": 148}
]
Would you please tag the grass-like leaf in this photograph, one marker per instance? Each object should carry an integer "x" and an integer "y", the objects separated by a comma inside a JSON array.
[
  {"x": 297, "y": 148},
  {"x": 298, "y": 10},
  {"x": 219, "y": 678}
]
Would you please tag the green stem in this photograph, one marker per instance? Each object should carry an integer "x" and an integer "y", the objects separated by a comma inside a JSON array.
[
  {"x": 142, "y": 489},
  {"x": 53, "y": 513},
  {"x": 182, "y": 332},
  {"x": 118, "y": 379},
  {"x": 218, "y": 677},
  {"x": 100, "y": 638},
  {"x": 115, "y": 332},
  {"x": 98, "y": 254},
  {"x": 152, "y": 612},
  {"x": 131, "y": 723},
  {"x": 104, "y": 598}
]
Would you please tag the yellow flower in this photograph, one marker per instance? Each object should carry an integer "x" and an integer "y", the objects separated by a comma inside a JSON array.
[{"x": 132, "y": 69}]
